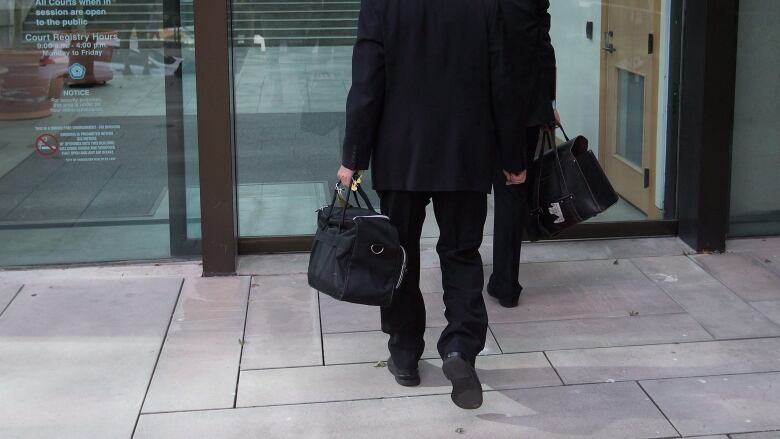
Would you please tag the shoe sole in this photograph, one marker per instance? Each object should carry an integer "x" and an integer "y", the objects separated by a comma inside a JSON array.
[
  {"x": 466, "y": 388},
  {"x": 410, "y": 382},
  {"x": 406, "y": 382}
]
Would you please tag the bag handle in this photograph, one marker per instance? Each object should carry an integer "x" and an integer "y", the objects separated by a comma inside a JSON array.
[
  {"x": 356, "y": 187},
  {"x": 547, "y": 143}
]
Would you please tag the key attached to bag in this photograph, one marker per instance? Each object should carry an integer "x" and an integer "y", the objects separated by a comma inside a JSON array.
[{"x": 357, "y": 180}]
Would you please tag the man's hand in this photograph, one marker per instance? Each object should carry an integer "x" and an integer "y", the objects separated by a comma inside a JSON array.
[
  {"x": 345, "y": 176},
  {"x": 557, "y": 118},
  {"x": 513, "y": 179}
]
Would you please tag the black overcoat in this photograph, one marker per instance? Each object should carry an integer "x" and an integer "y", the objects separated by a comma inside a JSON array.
[
  {"x": 531, "y": 55},
  {"x": 432, "y": 102}
]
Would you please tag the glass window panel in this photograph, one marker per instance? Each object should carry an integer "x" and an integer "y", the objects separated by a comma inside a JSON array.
[
  {"x": 755, "y": 206},
  {"x": 602, "y": 80},
  {"x": 631, "y": 116},
  {"x": 96, "y": 154},
  {"x": 292, "y": 74}
]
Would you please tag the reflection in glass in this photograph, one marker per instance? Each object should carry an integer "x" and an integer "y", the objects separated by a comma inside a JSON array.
[
  {"x": 292, "y": 66},
  {"x": 92, "y": 157},
  {"x": 631, "y": 116}
]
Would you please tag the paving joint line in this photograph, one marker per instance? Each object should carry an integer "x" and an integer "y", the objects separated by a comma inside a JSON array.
[
  {"x": 569, "y": 319},
  {"x": 714, "y": 340},
  {"x": 377, "y": 398},
  {"x": 734, "y": 435},
  {"x": 243, "y": 340},
  {"x": 560, "y": 378},
  {"x": 18, "y": 291},
  {"x": 659, "y": 408},
  {"x": 492, "y": 334},
  {"x": 322, "y": 334},
  {"x": 159, "y": 354}
]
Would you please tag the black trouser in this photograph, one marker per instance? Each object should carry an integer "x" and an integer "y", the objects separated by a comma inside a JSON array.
[
  {"x": 512, "y": 215},
  {"x": 461, "y": 218}
]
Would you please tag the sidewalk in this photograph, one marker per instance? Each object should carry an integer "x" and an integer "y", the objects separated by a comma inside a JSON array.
[{"x": 613, "y": 339}]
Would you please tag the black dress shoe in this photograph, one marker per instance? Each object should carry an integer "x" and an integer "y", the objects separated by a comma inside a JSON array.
[
  {"x": 466, "y": 388},
  {"x": 504, "y": 301},
  {"x": 407, "y": 378}
]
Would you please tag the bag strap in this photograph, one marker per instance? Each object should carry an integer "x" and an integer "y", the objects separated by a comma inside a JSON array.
[
  {"x": 364, "y": 196},
  {"x": 547, "y": 144},
  {"x": 560, "y": 127},
  {"x": 339, "y": 188}
]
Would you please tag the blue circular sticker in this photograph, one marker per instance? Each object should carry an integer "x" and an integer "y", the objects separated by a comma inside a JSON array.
[{"x": 77, "y": 71}]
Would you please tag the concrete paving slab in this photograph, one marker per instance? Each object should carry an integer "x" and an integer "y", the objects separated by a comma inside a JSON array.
[
  {"x": 753, "y": 244},
  {"x": 595, "y": 333},
  {"x": 77, "y": 356},
  {"x": 602, "y": 249},
  {"x": 599, "y": 411},
  {"x": 347, "y": 317},
  {"x": 667, "y": 361},
  {"x": 714, "y": 306},
  {"x": 371, "y": 346},
  {"x": 367, "y": 381},
  {"x": 176, "y": 270},
  {"x": 596, "y": 272},
  {"x": 7, "y": 293},
  {"x": 717, "y": 405},
  {"x": 673, "y": 271},
  {"x": 770, "y": 259},
  {"x": 283, "y": 324},
  {"x": 536, "y": 252},
  {"x": 743, "y": 274},
  {"x": 722, "y": 313},
  {"x": 198, "y": 366},
  {"x": 576, "y": 301},
  {"x": 264, "y": 265},
  {"x": 770, "y": 309},
  {"x": 762, "y": 435}
]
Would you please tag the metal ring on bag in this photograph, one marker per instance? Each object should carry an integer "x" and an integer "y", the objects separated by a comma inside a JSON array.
[{"x": 379, "y": 252}]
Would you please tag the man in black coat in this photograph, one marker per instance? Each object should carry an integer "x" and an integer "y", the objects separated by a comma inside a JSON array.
[
  {"x": 527, "y": 25},
  {"x": 432, "y": 111}
]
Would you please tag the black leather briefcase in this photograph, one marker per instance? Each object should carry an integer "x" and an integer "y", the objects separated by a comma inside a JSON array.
[
  {"x": 357, "y": 256},
  {"x": 569, "y": 186}
]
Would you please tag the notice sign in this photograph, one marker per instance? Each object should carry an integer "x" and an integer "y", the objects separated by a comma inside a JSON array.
[
  {"x": 68, "y": 13},
  {"x": 78, "y": 100},
  {"x": 78, "y": 143},
  {"x": 56, "y": 21}
]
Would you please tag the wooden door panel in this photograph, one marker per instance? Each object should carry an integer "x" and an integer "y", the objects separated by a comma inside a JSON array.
[{"x": 626, "y": 27}]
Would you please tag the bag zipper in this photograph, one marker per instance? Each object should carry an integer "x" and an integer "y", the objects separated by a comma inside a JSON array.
[{"x": 372, "y": 216}]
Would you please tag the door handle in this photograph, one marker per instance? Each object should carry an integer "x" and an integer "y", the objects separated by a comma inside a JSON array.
[{"x": 608, "y": 46}]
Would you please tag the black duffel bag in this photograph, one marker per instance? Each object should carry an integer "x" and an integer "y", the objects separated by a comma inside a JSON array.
[
  {"x": 569, "y": 186},
  {"x": 356, "y": 256}
]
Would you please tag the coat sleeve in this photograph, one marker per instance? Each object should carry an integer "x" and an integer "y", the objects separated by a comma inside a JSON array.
[
  {"x": 547, "y": 50},
  {"x": 509, "y": 100},
  {"x": 366, "y": 97}
]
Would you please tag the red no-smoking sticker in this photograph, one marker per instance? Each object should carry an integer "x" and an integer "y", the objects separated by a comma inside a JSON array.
[{"x": 46, "y": 145}]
